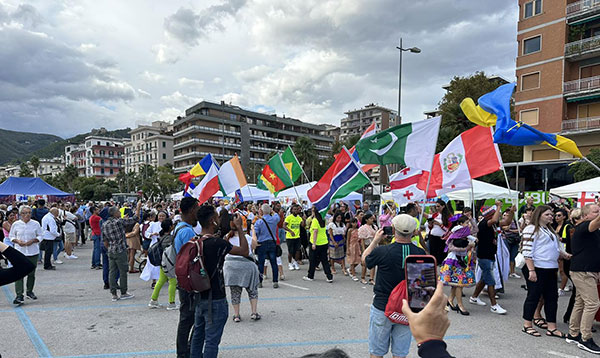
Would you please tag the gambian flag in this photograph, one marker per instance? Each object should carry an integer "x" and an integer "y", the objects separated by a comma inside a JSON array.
[
  {"x": 342, "y": 178},
  {"x": 231, "y": 176},
  {"x": 291, "y": 164},
  {"x": 275, "y": 177},
  {"x": 209, "y": 185},
  {"x": 410, "y": 144}
]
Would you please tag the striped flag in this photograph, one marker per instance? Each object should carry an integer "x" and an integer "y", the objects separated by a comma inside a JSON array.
[
  {"x": 404, "y": 186},
  {"x": 231, "y": 176},
  {"x": 371, "y": 130},
  {"x": 343, "y": 177},
  {"x": 209, "y": 185}
]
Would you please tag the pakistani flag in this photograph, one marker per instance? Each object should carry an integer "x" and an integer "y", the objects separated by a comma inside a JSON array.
[{"x": 410, "y": 144}]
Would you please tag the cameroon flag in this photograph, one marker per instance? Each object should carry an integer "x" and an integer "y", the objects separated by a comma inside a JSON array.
[
  {"x": 275, "y": 176},
  {"x": 291, "y": 164}
]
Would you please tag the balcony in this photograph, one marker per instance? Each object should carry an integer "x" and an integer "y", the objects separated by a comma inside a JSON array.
[
  {"x": 581, "y": 124},
  {"x": 583, "y": 49},
  {"x": 582, "y": 11},
  {"x": 207, "y": 142},
  {"x": 196, "y": 128},
  {"x": 581, "y": 89}
]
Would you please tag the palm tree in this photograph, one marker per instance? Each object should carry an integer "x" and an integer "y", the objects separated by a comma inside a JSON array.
[
  {"x": 35, "y": 164},
  {"x": 305, "y": 151}
]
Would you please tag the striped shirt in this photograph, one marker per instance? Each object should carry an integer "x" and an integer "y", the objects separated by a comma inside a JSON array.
[{"x": 543, "y": 247}]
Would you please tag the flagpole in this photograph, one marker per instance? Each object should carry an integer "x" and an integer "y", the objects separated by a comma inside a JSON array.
[
  {"x": 472, "y": 199},
  {"x": 303, "y": 172},
  {"x": 370, "y": 181},
  {"x": 290, "y": 174},
  {"x": 591, "y": 163}
]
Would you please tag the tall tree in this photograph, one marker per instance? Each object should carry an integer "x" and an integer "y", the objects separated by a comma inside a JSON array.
[
  {"x": 167, "y": 181},
  {"x": 307, "y": 154},
  {"x": 35, "y": 164},
  {"x": 583, "y": 170},
  {"x": 25, "y": 171}
]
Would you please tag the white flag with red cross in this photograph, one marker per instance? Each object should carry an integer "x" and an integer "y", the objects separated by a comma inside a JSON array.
[{"x": 403, "y": 185}]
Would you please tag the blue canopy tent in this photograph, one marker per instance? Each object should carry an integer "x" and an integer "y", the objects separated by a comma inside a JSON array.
[{"x": 14, "y": 186}]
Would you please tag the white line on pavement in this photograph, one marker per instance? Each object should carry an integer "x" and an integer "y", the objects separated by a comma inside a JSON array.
[
  {"x": 294, "y": 286},
  {"x": 559, "y": 354}
]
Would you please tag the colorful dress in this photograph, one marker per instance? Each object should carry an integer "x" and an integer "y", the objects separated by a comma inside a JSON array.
[
  {"x": 354, "y": 248},
  {"x": 337, "y": 253},
  {"x": 458, "y": 269}
]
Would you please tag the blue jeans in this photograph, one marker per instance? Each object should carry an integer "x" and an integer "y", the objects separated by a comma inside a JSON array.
[
  {"x": 105, "y": 265},
  {"x": 58, "y": 247},
  {"x": 487, "y": 271},
  {"x": 383, "y": 333},
  {"x": 268, "y": 249},
  {"x": 207, "y": 336},
  {"x": 282, "y": 234},
  {"x": 97, "y": 250}
]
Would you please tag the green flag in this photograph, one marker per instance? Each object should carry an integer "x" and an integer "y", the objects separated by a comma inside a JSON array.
[{"x": 291, "y": 164}]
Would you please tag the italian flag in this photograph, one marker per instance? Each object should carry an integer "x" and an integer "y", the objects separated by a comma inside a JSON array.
[{"x": 275, "y": 177}]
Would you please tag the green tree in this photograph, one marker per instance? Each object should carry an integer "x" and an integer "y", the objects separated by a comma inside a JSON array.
[
  {"x": 582, "y": 170},
  {"x": 351, "y": 141},
  {"x": 305, "y": 151},
  {"x": 25, "y": 171},
  {"x": 167, "y": 181},
  {"x": 35, "y": 164}
]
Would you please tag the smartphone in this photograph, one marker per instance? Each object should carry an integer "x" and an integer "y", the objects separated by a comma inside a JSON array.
[
  {"x": 388, "y": 230},
  {"x": 421, "y": 280}
]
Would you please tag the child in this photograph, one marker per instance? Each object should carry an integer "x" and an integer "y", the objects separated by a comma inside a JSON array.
[{"x": 353, "y": 248}]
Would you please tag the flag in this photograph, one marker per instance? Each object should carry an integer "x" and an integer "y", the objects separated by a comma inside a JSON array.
[
  {"x": 470, "y": 155},
  {"x": 410, "y": 144},
  {"x": 342, "y": 178},
  {"x": 371, "y": 130},
  {"x": 197, "y": 170},
  {"x": 231, "y": 176},
  {"x": 238, "y": 196},
  {"x": 497, "y": 104},
  {"x": 291, "y": 164},
  {"x": 189, "y": 190},
  {"x": 403, "y": 185},
  {"x": 263, "y": 184},
  {"x": 209, "y": 185},
  {"x": 275, "y": 176}
]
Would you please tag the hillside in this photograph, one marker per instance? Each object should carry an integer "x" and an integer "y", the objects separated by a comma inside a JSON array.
[
  {"x": 50, "y": 148},
  {"x": 14, "y": 145}
]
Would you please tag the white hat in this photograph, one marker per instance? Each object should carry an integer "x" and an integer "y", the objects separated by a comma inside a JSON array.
[{"x": 404, "y": 224}]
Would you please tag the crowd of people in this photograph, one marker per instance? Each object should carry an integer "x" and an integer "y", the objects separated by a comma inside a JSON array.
[{"x": 241, "y": 241}]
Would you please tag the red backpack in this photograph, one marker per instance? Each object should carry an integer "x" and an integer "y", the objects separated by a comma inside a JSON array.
[
  {"x": 189, "y": 266},
  {"x": 393, "y": 309}
]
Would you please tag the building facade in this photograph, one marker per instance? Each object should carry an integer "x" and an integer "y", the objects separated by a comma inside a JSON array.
[
  {"x": 558, "y": 73},
  {"x": 224, "y": 130},
  {"x": 152, "y": 145},
  {"x": 332, "y": 132},
  {"x": 97, "y": 156}
]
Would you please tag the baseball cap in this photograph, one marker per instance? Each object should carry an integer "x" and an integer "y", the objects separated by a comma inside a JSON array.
[{"x": 404, "y": 224}]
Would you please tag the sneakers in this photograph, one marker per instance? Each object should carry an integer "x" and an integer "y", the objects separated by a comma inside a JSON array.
[
  {"x": 19, "y": 300},
  {"x": 106, "y": 286},
  {"x": 291, "y": 267},
  {"x": 514, "y": 275},
  {"x": 567, "y": 289},
  {"x": 172, "y": 306},
  {"x": 306, "y": 278},
  {"x": 275, "y": 285},
  {"x": 72, "y": 257},
  {"x": 127, "y": 295},
  {"x": 153, "y": 304},
  {"x": 329, "y": 280},
  {"x": 589, "y": 346},
  {"x": 58, "y": 262},
  {"x": 561, "y": 292},
  {"x": 115, "y": 298},
  {"x": 296, "y": 266},
  {"x": 573, "y": 340},
  {"x": 282, "y": 277},
  {"x": 497, "y": 309},
  {"x": 476, "y": 301},
  {"x": 260, "y": 285},
  {"x": 31, "y": 295}
]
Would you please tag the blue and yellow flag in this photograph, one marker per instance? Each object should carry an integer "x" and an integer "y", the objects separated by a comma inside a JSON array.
[{"x": 494, "y": 109}]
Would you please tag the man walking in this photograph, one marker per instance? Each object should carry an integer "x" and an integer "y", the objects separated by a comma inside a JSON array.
[
  {"x": 26, "y": 235},
  {"x": 113, "y": 234},
  {"x": 585, "y": 273},
  {"x": 94, "y": 223},
  {"x": 292, "y": 225},
  {"x": 51, "y": 232}
]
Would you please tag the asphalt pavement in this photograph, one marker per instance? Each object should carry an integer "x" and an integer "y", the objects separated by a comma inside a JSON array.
[{"x": 74, "y": 317}]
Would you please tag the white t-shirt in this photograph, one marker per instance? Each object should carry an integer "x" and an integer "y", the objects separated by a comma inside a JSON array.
[
  {"x": 198, "y": 229},
  {"x": 235, "y": 241},
  {"x": 337, "y": 230},
  {"x": 69, "y": 228},
  {"x": 437, "y": 229},
  {"x": 153, "y": 231}
]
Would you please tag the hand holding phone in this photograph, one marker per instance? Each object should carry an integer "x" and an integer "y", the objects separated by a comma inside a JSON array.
[
  {"x": 432, "y": 322},
  {"x": 421, "y": 280},
  {"x": 388, "y": 231}
]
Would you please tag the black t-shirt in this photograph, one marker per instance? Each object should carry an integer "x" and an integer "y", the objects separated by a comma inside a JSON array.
[
  {"x": 586, "y": 249},
  {"x": 486, "y": 237},
  {"x": 215, "y": 250},
  {"x": 389, "y": 260}
]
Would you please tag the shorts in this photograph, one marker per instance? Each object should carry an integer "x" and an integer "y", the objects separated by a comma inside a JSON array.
[
  {"x": 487, "y": 271},
  {"x": 70, "y": 237},
  {"x": 383, "y": 333},
  {"x": 146, "y": 244},
  {"x": 293, "y": 246}
]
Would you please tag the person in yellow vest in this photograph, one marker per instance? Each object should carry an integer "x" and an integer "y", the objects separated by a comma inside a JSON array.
[{"x": 292, "y": 225}]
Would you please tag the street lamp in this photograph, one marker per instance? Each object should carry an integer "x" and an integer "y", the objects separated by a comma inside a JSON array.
[{"x": 413, "y": 50}]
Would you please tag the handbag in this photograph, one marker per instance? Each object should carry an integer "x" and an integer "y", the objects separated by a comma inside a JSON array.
[
  {"x": 278, "y": 251},
  {"x": 519, "y": 260}
]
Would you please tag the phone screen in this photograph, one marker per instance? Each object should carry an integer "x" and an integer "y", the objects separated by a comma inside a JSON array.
[
  {"x": 421, "y": 280},
  {"x": 388, "y": 230}
]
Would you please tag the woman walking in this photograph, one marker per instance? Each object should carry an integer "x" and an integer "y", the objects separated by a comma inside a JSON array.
[
  {"x": 11, "y": 217},
  {"x": 354, "y": 252},
  {"x": 541, "y": 249},
  {"x": 134, "y": 244},
  {"x": 337, "y": 232},
  {"x": 318, "y": 248},
  {"x": 366, "y": 234},
  {"x": 166, "y": 239},
  {"x": 439, "y": 223}
]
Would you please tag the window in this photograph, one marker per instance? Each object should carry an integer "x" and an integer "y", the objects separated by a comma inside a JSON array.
[
  {"x": 98, "y": 142},
  {"x": 530, "y": 116},
  {"x": 532, "y": 8},
  {"x": 164, "y": 155},
  {"x": 532, "y": 45},
  {"x": 588, "y": 110},
  {"x": 111, "y": 171},
  {"x": 589, "y": 71},
  {"x": 530, "y": 81},
  {"x": 164, "y": 144}
]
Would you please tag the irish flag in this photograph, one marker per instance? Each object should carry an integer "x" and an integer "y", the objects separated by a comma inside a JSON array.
[
  {"x": 410, "y": 144},
  {"x": 470, "y": 155},
  {"x": 231, "y": 176}
]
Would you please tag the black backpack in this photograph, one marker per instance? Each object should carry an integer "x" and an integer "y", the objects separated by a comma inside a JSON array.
[{"x": 155, "y": 252}]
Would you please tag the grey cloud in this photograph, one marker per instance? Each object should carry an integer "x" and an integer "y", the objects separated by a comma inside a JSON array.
[
  {"x": 188, "y": 27},
  {"x": 28, "y": 15}
]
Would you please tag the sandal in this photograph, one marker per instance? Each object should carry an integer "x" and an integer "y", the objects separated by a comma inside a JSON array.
[
  {"x": 255, "y": 316},
  {"x": 363, "y": 281},
  {"x": 531, "y": 331},
  {"x": 540, "y": 322},
  {"x": 237, "y": 318},
  {"x": 354, "y": 278},
  {"x": 553, "y": 333},
  {"x": 346, "y": 273},
  {"x": 371, "y": 282}
]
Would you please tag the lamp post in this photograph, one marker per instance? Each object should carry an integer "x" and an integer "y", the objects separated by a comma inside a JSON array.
[{"x": 413, "y": 50}]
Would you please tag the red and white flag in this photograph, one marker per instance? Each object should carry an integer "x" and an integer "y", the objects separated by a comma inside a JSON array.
[
  {"x": 403, "y": 185},
  {"x": 470, "y": 155},
  {"x": 209, "y": 185},
  {"x": 371, "y": 130}
]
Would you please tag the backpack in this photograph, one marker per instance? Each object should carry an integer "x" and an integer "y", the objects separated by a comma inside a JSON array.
[
  {"x": 145, "y": 227},
  {"x": 155, "y": 252},
  {"x": 189, "y": 266},
  {"x": 169, "y": 258},
  {"x": 393, "y": 308}
]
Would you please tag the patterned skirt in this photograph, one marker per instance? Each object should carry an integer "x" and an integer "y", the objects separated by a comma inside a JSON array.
[
  {"x": 337, "y": 253},
  {"x": 458, "y": 271}
]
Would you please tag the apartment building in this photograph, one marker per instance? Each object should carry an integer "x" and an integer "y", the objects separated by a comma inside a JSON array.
[
  {"x": 224, "y": 130},
  {"x": 50, "y": 167},
  {"x": 152, "y": 145},
  {"x": 558, "y": 72},
  {"x": 97, "y": 156},
  {"x": 332, "y": 132}
]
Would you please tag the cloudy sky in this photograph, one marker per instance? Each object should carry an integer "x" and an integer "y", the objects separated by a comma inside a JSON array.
[{"x": 71, "y": 65}]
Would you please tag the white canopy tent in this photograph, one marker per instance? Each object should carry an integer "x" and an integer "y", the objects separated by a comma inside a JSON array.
[
  {"x": 574, "y": 190},
  {"x": 481, "y": 191},
  {"x": 251, "y": 193}
]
